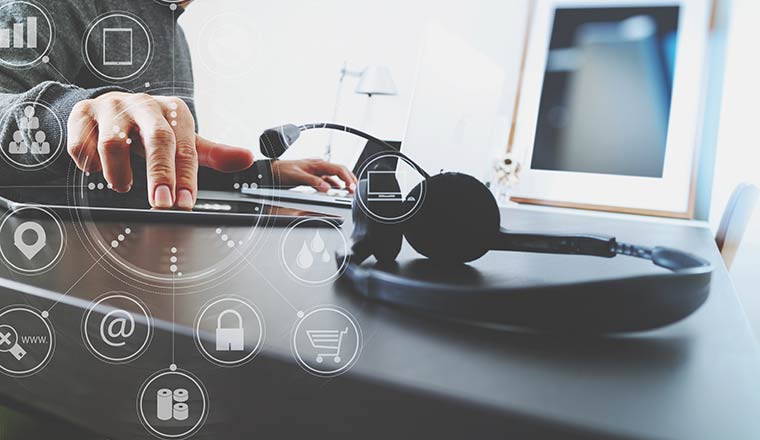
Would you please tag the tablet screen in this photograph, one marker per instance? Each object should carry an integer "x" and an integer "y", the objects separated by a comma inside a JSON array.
[{"x": 605, "y": 105}]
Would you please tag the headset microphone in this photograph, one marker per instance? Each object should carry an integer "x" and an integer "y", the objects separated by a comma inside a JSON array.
[{"x": 275, "y": 141}]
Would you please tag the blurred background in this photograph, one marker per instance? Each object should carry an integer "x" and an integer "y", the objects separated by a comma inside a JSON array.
[
  {"x": 291, "y": 64},
  {"x": 294, "y": 52}
]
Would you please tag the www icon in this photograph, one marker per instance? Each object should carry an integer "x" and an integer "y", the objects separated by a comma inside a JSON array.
[{"x": 34, "y": 339}]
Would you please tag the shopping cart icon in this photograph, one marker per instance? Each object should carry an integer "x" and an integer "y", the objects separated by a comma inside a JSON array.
[{"x": 328, "y": 341}]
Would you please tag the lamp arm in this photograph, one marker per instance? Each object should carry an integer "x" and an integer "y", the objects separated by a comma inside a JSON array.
[{"x": 343, "y": 72}]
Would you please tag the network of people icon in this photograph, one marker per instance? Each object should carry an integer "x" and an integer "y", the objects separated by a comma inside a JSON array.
[{"x": 29, "y": 123}]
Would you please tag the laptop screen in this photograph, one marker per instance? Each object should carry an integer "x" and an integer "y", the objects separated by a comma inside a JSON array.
[{"x": 370, "y": 150}]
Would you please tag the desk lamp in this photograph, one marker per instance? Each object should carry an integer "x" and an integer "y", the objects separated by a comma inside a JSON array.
[{"x": 373, "y": 80}]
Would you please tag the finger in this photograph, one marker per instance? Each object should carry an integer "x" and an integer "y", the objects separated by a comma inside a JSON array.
[
  {"x": 113, "y": 149},
  {"x": 186, "y": 156},
  {"x": 322, "y": 167},
  {"x": 335, "y": 183},
  {"x": 158, "y": 139},
  {"x": 221, "y": 157},
  {"x": 315, "y": 181},
  {"x": 82, "y": 138}
]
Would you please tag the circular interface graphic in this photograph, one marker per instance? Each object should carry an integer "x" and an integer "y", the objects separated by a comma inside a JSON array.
[
  {"x": 27, "y": 34},
  {"x": 117, "y": 46},
  {"x": 314, "y": 251},
  {"x": 117, "y": 328},
  {"x": 391, "y": 188},
  {"x": 164, "y": 257},
  {"x": 27, "y": 341},
  {"x": 37, "y": 135},
  {"x": 219, "y": 49},
  {"x": 326, "y": 341},
  {"x": 229, "y": 331},
  {"x": 172, "y": 404},
  {"x": 32, "y": 240}
]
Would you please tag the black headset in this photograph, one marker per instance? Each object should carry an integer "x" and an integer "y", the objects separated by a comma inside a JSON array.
[{"x": 451, "y": 237}]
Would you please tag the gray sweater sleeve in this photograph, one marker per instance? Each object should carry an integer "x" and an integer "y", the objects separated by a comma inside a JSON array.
[
  {"x": 58, "y": 99},
  {"x": 45, "y": 87}
]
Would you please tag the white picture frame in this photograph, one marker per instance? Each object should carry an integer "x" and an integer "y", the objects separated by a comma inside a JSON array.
[{"x": 672, "y": 194}]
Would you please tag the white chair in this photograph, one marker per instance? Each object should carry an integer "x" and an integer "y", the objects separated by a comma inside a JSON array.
[{"x": 735, "y": 220}]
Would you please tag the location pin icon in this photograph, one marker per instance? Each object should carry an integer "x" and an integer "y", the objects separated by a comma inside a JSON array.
[{"x": 30, "y": 250}]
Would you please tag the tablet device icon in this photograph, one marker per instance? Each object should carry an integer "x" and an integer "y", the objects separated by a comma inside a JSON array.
[{"x": 117, "y": 47}]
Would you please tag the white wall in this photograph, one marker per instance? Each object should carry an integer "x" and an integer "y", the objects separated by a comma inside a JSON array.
[
  {"x": 738, "y": 155},
  {"x": 297, "y": 47}
]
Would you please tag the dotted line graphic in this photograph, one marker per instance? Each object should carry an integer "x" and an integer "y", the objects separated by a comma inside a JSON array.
[
  {"x": 226, "y": 239},
  {"x": 173, "y": 268},
  {"x": 121, "y": 237},
  {"x": 92, "y": 186},
  {"x": 252, "y": 185},
  {"x": 173, "y": 114}
]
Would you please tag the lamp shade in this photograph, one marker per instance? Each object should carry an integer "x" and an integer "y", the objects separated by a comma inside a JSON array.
[{"x": 376, "y": 80}]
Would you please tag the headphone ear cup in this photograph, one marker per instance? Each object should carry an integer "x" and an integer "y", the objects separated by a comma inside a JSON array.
[
  {"x": 458, "y": 220},
  {"x": 371, "y": 237}
]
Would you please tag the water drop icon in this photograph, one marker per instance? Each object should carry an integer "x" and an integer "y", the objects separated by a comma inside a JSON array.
[
  {"x": 325, "y": 257},
  {"x": 317, "y": 243},
  {"x": 304, "y": 259}
]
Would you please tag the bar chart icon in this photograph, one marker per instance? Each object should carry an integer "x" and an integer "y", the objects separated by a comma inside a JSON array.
[{"x": 23, "y": 35}]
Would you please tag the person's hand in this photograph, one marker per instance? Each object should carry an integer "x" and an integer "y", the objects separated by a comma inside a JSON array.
[
  {"x": 100, "y": 134},
  {"x": 313, "y": 172}
]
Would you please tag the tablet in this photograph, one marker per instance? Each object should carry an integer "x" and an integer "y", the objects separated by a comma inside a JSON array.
[{"x": 211, "y": 207}]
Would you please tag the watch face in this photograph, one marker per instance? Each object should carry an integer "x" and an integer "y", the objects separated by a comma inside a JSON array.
[{"x": 155, "y": 256}]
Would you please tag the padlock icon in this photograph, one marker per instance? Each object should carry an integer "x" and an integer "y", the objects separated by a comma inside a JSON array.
[{"x": 229, "y": 338}]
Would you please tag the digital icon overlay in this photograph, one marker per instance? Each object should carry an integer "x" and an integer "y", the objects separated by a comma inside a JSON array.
[
  {"x": 172, "y": 404},
  {"x": 26, "y": 34},
  {"x": 118, "y": 47},
  {"x": 230, "y": 338},
  {"x": 32, "y": 146},
  {"x": 382, "y": 187},
  {"x": 229, "y": 331},
  {"x": 326, "y": 341},
  {"x": 117, "y": 328},
  {"x": 32, "y": 240},
  {"x": 31, "y": 249},
  {"x": 314, "y": 251},
  {"x": 27, "y": 340},
  {"x": 391, "y": 188},
  {"x": 218, "y": 49}
]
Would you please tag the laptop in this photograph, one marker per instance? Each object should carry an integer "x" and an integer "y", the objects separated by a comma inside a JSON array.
[
  {"x": 382, "y": 186},
  {"x": 333, "y": 197}
]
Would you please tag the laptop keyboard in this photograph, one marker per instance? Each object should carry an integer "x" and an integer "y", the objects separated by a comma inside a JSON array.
[{"x": 330, "y": 193}]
